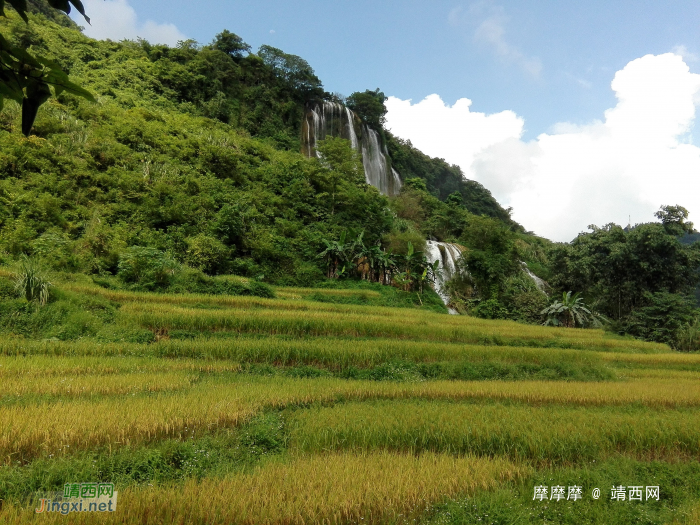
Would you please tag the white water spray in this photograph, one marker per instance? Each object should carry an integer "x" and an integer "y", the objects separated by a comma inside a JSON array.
[
  {"x": 331, "y": 119},
  {"x": 447, "y": 254}
]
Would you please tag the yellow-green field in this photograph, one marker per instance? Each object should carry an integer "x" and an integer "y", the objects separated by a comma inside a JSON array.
[{"x": 289, "y": 410}]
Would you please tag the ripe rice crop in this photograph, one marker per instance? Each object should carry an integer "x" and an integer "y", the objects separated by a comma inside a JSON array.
[
  {"x": 321, "y": 323},
  {"x": 290, "y": 292},
  {"x": 547, "y": 434},
  {"x": 57, "y": 427},
  {"x": 328, "y": 489},
  {"x": 40, "y": 365},
  {"x": 329, "y": 352},
  {"x": 435, "y": 326},
  {"x": 132, "y": 383}
]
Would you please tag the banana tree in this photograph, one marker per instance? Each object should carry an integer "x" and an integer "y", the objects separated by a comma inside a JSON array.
[{"x": 570, "y": 312}]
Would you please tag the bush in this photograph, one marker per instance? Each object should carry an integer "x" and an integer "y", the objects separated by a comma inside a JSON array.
[
  {"x": 194, "y": 281},
  {"x": 688, "y": 338},
  {"x": 662, "y": 319},
  {"x": 146, "y": 268},
  {"x": 207, "y": 254},
  {"x": 490, "y": 309}
]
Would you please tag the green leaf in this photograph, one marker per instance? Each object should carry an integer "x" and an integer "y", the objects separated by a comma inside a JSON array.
[
  {"x": 37, "y": 94},
  {"x": 20, "y": 6},
  {"x": 13, "y": 94}
]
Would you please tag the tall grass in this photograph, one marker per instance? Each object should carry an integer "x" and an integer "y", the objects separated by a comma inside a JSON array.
[
  {"x": 31, "y": 281},
  {"x": 328, "y": 489}
]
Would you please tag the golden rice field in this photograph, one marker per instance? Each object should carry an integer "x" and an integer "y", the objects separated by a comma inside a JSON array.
[{"x": 350, "y": 414}]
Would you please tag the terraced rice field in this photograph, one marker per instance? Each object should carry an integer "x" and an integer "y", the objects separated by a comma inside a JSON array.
[{"x": 287, "y": 410}]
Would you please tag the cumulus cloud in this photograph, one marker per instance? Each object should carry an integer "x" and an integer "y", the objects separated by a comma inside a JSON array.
[
  {"x": 117, "y": 20},
  {"x": 454, "y": 133},
  {"x": 623, "y": 167}
]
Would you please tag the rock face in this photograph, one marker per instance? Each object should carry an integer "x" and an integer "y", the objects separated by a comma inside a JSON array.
[{"x": 330, "y": 119}]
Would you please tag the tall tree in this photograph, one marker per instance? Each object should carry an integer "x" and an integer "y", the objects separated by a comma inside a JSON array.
[
  {"x": 369, "y": 106},
  {"x": 231, "y": 44},
  {"x": 293, "y": 70},
  {"x": 618, "y": 268}
]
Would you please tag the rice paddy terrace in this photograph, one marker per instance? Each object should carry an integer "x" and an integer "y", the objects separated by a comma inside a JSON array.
[{"x": 294, "y": 411}]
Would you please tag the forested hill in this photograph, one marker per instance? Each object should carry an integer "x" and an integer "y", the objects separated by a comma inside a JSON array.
[
  {"x": 194, "y": 151},
  {"x": 189, "y": 165}
]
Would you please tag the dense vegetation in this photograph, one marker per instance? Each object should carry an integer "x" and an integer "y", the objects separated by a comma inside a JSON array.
[
  {"x": 303, "y": 388},
  {"x": 191, "y": 152},
  {"x": 188, "y": 169}
]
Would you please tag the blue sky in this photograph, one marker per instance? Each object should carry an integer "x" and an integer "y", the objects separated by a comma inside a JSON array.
[
  {"x": 411, "y": 49},
  {"x": 548, "y": 63}
]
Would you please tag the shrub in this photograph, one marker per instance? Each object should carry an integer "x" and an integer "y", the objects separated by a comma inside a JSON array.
[
  {"x": 689, "y": 336},
  {"x": 31, "y": 281},
  {"x": 147, "y": 268},
  {"x": 207, "y": 254},
  {"x": 194, "y": 281},
  {"x": 662, "y": 318}
]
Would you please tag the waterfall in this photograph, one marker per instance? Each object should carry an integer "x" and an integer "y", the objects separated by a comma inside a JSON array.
[
  {"x": 541, "y": 285},
  {"x": 447, "y": 254},
  {"x": 330, "y": 119},
  {"x": 351, "y": 128}
]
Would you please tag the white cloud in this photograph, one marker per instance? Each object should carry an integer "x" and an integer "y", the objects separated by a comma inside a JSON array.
[
  {"x": 117, "y": 20},
  {"x": 687, "y": 55},
  {"x": 454, "y": 133},
  {"x": 635, "y": 160},
  {"x": 490, "y": 33}
]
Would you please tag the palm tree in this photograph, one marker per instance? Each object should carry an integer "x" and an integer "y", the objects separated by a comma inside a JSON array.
[{"x": 570, "y": 312}]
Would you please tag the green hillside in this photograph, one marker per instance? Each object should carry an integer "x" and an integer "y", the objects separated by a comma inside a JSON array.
[
  {"x": 188, "y": 168},
  {"x": 230, "y": 332},
  {"x": 190, "y": 150}
]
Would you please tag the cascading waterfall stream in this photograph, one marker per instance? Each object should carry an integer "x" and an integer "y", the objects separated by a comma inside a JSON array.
[
  {"x": 541, "y": 285},
  {"x": 447, "y": 254},
  {"x": 331, "y": 119}
]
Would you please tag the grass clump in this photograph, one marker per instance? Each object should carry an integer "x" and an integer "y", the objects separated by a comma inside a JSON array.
[{"x": 31, "y": 281}]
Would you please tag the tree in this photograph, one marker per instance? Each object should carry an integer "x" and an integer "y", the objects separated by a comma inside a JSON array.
[
  {"x": 340, "y": 255},
  {"x": 616, "y": 267},
  {"x": 293, "y": 70},
  {"x": 662, "y": 319},
  {"x": 492, "y": 256},
  {"x": 455, "y": 199},
  {"x": 570, "y": 312},
  {"x": 674, "y": 219},
  {"x": 231, "y": 44},
  {"x": 369, "y": 106},
  {"x": 29, "y": 80}
]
